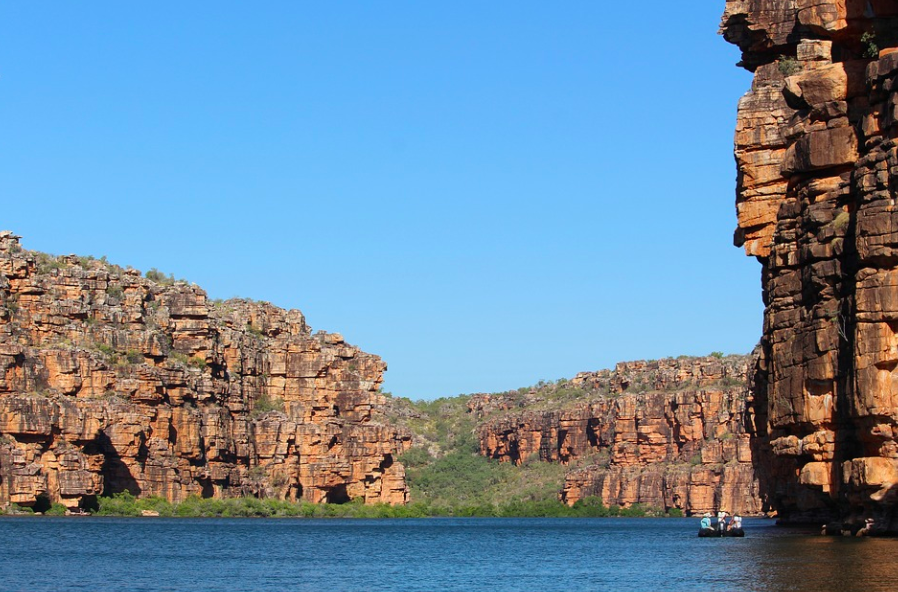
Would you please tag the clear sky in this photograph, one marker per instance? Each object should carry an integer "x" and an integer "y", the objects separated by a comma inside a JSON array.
[{"x": 485, "y": 194}]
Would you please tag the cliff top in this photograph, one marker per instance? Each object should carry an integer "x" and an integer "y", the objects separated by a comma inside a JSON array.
[
  {"x": 444, "y": 424},
  {"x": 670, "y": 375}
]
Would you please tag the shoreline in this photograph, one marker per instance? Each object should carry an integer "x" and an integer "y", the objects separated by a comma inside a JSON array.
[{"x": 125, "y": 505}]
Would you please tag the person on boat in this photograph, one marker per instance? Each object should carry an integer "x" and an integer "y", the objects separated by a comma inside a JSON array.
[
  {"x": 721, "y": 521},
  {"x": 736, "y": 522},
  {"x": 706, "y": 521}
]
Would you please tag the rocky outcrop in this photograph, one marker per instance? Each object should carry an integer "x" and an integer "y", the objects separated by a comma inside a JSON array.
[
  {"x": 666, "y": 434},
  {"x": 817, "y": 167},
  {"x": 110, "y": 381}
]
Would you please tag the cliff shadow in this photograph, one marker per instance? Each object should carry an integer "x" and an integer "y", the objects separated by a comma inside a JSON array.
[
  {"x": 755, "y": 422},
  {"x": 888, "y": 514},
  {"x": 846, "y": 444},
  {"x": 875, "y": 19},
  {"x": 117, "y": 476}
]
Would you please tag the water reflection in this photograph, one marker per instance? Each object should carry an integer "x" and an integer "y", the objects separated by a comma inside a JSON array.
[{"x": 787, "y": 561}]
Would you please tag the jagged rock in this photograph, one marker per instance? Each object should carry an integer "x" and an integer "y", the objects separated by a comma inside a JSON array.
[
  {"x": 110, "y": 381},
  {"x": 817, "y": 164},
  {"x": 669, "y": 434}
]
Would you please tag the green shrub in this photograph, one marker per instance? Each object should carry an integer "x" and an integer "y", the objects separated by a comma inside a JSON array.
[
  {"x": 197, "y": 362},
  {"x": 871, "y": 47},
  {"x": 264, "y": 404},
  {"x": 788, "y": 65},
  {"x": 591, "y": 507},
  {"x": 119, "y": 504},
  {"x": 154, "y": 275},
  {"x": 56, "y": 509},
  {"x": 47, "y": 263},
  {"x": 125, "y": 504},
  {"x": 156, "y": 504},
  {"x": 416, "y": 457},
  {"x": 841, "y": 221},
  {"x": 180, "y": 358},
  {"x": 634, "y": 511}
]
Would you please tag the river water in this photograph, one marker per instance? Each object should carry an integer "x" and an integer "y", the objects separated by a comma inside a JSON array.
[{"x": 39, "y": 554}]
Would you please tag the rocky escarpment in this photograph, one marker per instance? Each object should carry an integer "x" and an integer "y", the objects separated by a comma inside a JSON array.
[
  {"x": 817, "y": 163},
  {"x": 666, "y": 434},
  {"x": 110, "y": 381}
]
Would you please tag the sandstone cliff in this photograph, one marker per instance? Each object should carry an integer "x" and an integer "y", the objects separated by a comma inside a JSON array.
[
  {"x": 666, "y": 434},
  {"x": 817, "y": 166},
  {"x": 110, "y": 381}
]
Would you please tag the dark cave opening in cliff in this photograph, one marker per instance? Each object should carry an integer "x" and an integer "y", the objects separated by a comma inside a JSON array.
[
  {"x": 41, "y": 504},
  {"x": 208, "y": 490},
  {"x": 591, "y": 435},
  {"x": 89, "y": 503},
  {"x": 337, "y": 495}
]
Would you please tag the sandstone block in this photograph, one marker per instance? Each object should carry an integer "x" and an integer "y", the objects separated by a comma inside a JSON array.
[{"x": 821, "y": 150}]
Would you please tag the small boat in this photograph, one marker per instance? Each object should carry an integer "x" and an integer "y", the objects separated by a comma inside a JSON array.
[
  {"x": 713, "y": 532},
  {"x": 734, "y": 532}
]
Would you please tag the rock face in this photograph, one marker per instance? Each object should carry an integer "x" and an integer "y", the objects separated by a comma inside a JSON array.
[
  {"x": 110, "y": 382},
  {"x": 817, "y": 167},
  {"x": 666, "y": 434}
]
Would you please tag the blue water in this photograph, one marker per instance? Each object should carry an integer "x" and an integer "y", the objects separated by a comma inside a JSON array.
[{"x": 42, "y": 554}]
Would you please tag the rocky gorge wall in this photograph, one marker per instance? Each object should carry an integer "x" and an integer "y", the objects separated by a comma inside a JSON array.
[
  {"x": 110, "y": 381},
  {"x": 665, "y": 434},
  {"x": 817, "y": 162}
]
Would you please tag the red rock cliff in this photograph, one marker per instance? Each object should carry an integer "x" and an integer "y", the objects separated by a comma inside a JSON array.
[
  {"x": 666, "y": 434},
  {"x": 817, "y": 177},
  {"x": 110, "y": 381}
]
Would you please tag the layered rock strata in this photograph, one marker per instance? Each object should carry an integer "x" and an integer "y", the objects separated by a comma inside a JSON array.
[
  {"x": 666, "y": 434},
  {"x": 112, "y": 382},
  {"x": 817, "y": 162}
]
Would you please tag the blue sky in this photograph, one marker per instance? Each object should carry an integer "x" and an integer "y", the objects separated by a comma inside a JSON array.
[{"x": 484, "y": 194}]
